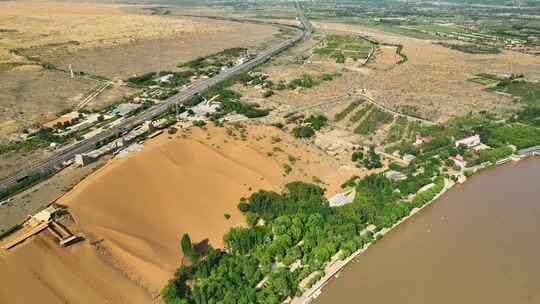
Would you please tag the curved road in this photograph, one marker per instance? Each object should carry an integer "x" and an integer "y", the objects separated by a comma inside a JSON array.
[{"x": 86, "y": 145}]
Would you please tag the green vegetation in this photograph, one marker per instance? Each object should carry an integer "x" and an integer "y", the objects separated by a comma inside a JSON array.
[
  {"x": 397, "y": 130},
  {"x": 375, "y": 119},
  {"x": 199, "y": 123},
  {"x": 287, "y": 169},
  {"x": 342, "y": 47},
  {"x": 172, "y": 130},
  {"x": 299, "y": 228},
  {"x": 307, "y": 81},
  {"x": 306, "y": 127},
  {"x": 317, "y": 122},
  {"x": 303, "y": 132},
  {"x": 399, "y": 52},
  {"x": 494, "y": 155},
  {"x": 351, "y": 107},
  {"x": 230, "y": 102},
  {"x": 143, "y": 80},
  {"x": 369, "y": 160},
  {"x": 360, "y": 113},
  {"x": 212, "y": 64},
  {"x": 268, "y": 93},
  {"x": 165, "y": 79},
  {"x": 526, "y": 92},
  {"x": 187, "y": 248},
  {"x": 41, "y": 139},
  {"x": 472, "y": 48},
  {"x": 519, "y": 135}
]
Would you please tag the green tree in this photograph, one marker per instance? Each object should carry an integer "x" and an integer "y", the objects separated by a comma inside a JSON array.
[{"x": 188, "y": 249}]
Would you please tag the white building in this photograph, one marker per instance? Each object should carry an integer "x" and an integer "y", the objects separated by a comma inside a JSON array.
[{"x": 470, "y": 141}]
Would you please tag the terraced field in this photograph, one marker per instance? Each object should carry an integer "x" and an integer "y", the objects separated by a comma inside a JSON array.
[
  {"x": 343, "y": 47},
  {"x": 373, "y": 121}
]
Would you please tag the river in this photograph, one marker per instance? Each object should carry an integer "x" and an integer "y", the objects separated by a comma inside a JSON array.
[{"x": 478, "y": 243}]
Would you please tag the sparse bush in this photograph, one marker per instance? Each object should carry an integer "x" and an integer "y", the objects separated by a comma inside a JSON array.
[
  {"x": 287, "y": 168},
  {"x": 268, "y": 93},
  {"x": 199, "y": 123},
  {"x": 303, "y": 132}
]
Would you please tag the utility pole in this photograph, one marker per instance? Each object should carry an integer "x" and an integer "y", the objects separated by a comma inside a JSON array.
[{"x": 71, "y": 74}]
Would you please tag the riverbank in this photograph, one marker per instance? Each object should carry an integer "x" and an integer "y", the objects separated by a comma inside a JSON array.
[{"x": 333, "y": 269}]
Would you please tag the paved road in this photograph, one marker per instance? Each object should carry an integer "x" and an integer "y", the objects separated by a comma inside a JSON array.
[{"x": 198, "y": 87}]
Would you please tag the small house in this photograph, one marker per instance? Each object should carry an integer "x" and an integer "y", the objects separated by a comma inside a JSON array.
[{"x": 470, "y": 141}]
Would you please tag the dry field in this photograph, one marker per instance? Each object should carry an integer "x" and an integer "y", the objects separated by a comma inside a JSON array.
[
  {"x": 105, "y": 40},
  {"x": 435, "y": 79},
  {"x": 433, "y": 83},
  {"x": 133, "y": 211}
]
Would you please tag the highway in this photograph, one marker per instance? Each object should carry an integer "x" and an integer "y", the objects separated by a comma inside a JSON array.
[{"x": 86, "y": 145}]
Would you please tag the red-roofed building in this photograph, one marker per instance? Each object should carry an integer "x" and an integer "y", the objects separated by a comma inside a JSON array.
[
  {"x": 459, "y": 161},
  {"x": 422, "y": 139}
]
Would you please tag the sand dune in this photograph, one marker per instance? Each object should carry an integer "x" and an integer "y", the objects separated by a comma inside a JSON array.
[
  {"x": 141, "y": 205},
  {"x": 39, "y": 271},
  {"x": 136, "y": 209}
]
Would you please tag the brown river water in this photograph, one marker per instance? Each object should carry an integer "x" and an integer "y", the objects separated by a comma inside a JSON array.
[{"x": 479, "y": 243}]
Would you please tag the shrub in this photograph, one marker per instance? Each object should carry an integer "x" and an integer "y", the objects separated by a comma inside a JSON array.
[
  {"x": 317, "y": 122},
  {"x": 287, "y": 168},
  {"x": 268, "y": 93},
  {"x": 199, "y": 123},
  {"x": 303, "y": 132}
]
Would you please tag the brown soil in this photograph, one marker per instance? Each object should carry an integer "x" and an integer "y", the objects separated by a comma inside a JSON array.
[
  {"x": 161, "y": 54},
  {"x": 435, "y": 79},
  {"x": 106, "y": 40}
]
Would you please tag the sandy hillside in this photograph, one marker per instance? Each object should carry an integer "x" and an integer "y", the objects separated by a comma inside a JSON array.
[
  {"x": 133, "y": 211},
  {"x": 40, "y": 23},
  {"x": 141, "y": 205},
  {"x": 113, "y": 40},
  {"x": 40, "y": 271}
]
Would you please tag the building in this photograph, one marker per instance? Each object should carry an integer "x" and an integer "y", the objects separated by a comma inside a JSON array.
[
  {"x": 343, "y": 198},
  {"x": 124, "y": 109},
  {"x": 395, "y": 175},
  {"x": 408, "y": 158},
  {"x": 531, "y": 151},
  {"x": 470, "y": 141},
  {"x": 422, "y": 139},
  {"x": 459, "y": 161}
]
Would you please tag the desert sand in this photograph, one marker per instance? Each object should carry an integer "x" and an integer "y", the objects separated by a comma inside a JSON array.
[
  {"x": 40, "y": 271},
  {"x": 133, "y": 211}
]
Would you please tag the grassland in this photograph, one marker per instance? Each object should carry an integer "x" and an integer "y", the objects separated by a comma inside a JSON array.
[{"x": 342, "y": 47}]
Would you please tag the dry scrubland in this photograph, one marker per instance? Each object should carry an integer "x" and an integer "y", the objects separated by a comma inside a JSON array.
[
  {"x": 434, "y": 82},
  {"x": 105, "y": 40},
  {"x": 134, "y": 210},
  {"x": 436, "y": 79}
]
